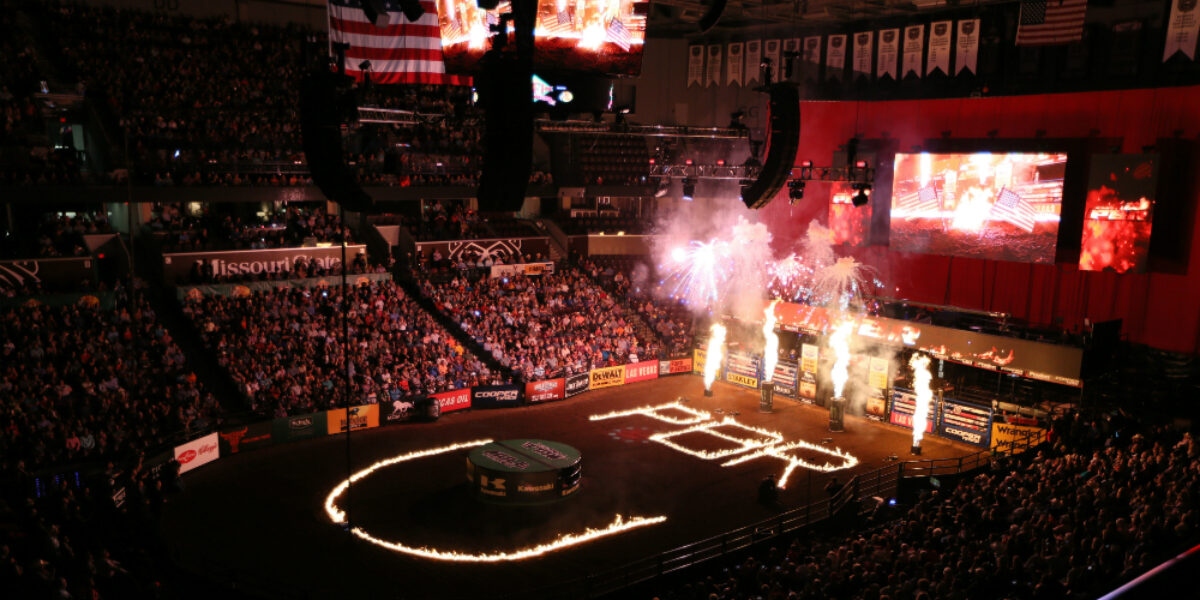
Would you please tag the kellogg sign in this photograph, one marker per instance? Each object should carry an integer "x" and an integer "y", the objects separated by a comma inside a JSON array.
[
  {"x": 545, "y": 391},
  {"x": 641, "y": 371},
  {"x": 198, "y": 452},
  {"x": 454, "y": 400},
  {"x": 177, "y": 267},
  {"x": 577, "y": 384},
  {"x": 610, "y": 377}
]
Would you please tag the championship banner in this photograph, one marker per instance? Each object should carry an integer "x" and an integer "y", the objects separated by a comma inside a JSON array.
[
  {"x": 641, "y": 371},
  {"x": 453, "y": 400},
  {"x": 733, "y": 73},
  {"x": 904, "y": 406},
  {"x": 742, "y": 370},
  {"x": 1012, "y": 438},
  {"x": 400, "y": 410},
  {"x": 863, "y": 53},
  {"x": 298, "y": 427},
  {"x": 265, "y": 261},
  {"x": 966, "y": 422},
  {"x": 496, "y": 396},
  {"x": 545, "y": 391},
  {"x": 197, "y": 452},
  {"x": 889, "y": 52},
  {"x": 250, "y": 436},
  {"x": 878, "y": 374},
  {"x": 786, "y": 377},
  {"x": 676, "y": 366},
  {"x": 714, "y": 66},
  {"x": 812, "y": 50},
  {"x": 576, "y": 384},
  {"x": 967, "y": 47},
  {"x": 365, "y": 416},
  {"x": 1182, "y": 29},
  {"x": 914, "y": 43},
  {"x": 791, "y": 46},
  {"x": 771, "y": 53},
  {"x": 791, "y": 52},
  {"x": 753, "y": 58},
  {"x": 835, "y": 56},
  {"x": 939, "y": 48},
  {"x": 695, "y": 65},
  {"x": 604, "y": 378}
]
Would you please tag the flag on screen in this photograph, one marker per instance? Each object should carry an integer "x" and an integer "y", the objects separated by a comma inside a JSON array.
[
  {"x": 564, "y": 17},
  {"x": 924, "y": 201},
  {"x": 1045, "y": 22},
  {"x": 1012, "y": 208},
  {"x": 402, "y": 52},
  {"x": 619, "y": 35},
  {"x": 563, "y": 24}
]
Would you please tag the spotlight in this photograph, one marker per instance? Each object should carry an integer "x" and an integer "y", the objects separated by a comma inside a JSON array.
[
  {"x": 795, "y": 191},
  {"x": 689, "y": 189}
]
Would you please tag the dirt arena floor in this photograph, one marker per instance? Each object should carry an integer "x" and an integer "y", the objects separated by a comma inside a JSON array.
[{"x": 259, "y": 516}]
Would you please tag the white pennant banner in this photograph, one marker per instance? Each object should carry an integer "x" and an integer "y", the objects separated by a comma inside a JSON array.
[
  {"x": 695, "y": 65},
  {"x": 914, "y": 44},
  {"x": 753, "y": 58},
  {"x": 733, "y": 73},
  {"x": 889, "y": 51},
  {"x": 1182, "y": 29},
  {"x": 835, "y": 56},
  {"x": 863, "y": 42},
  {"x": 771, "y": 52},
  {"x": 812, "y": 50},
  {"x": 714, "y": 65},
  {"x": 967, "y": 48},
  {"x": 939, "y": 47}
]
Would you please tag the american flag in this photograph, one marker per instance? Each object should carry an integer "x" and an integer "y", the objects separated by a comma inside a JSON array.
[
  {"x": 924, "y": 201},
  {"x": 619, "y": 35},
  {"x": 562, "y": 24},
  {"x": 402, "y": 52},
  {"x": 1011, "y": 208},
  {"x": 1045, "y": 22}
]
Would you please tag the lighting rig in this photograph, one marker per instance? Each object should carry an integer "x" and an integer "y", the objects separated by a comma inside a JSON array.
[{"x": 859, "y": 174}]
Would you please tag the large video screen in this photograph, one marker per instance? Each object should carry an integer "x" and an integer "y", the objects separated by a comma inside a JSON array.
[
  {"x": 998, "y": 206},
  {"x": 1119, "y": 213},
  {"x": 599, "y": 37},
  {"x": 848, "y": 224}
]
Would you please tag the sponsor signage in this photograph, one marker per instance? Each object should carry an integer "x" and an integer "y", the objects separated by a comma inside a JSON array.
[
  {"x": 641, "y": 371},
  {"x": 876, "y": 405},
  {"x": 742, "y": 380},
  {"x": 742, "y": 369},
  {"x": 298, "y": 427},
  {"x": 1011, "y": 438},
  {"x": 965, "y": 422},
  {"x": 246, "y": 437},
  {"x": 197, "y": 452},
  {"x": 400, "y": 410},
  {"x": 538, "y": 268},
  {"x": 904, "y": 405},
  {"x": 576, "y": 384},
  {"x": 235, "y": 263},
  {"x": 545, "y": 391},
  {"x": 361, "y": 417},
  {"x": 878, "y": 375},
  {"x": 809, "y": 355},
  {"x": 453, "y": 400},
  {"x": 698, "y": 361},
  {"x": 609, "y": 377},
  {"x": 496, "y": 396},
  {"x": 786, "y": 377},
  {"x": 674, "y": 367}
]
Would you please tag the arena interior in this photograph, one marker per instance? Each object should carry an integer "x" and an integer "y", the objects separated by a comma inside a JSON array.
[{"x": 661, "y": 299}]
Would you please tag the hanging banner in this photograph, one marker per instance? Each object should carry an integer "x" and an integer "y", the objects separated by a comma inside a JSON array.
[
  {"x": 714, "y": 66},
  {"x": 771, "y": 53},
  {"x": 812, "y": 50},
  {"x": 753, "y": 58},
  {"x": 939, "y": 48},
  {"x": 695, "y": 65},
  {"x": 877, "y": 377},
  {"x": 914, "y": 43},
  {"x": 809, "y": 363},
  {"x": 863, "y": 42},
  {"x": 1182, "y": 29},
  {"x": 733, "y": 73},
  {"x": 791, "y": 53},
  {"x": 889, "y": 52},
  {"x": 967, "y": 47},
  {"x": 835, "y": 56}
]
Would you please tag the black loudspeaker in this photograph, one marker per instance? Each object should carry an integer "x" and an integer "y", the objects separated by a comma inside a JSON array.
[
  {"x": 505, "y": 87},
  {"x": 783, "y": 138},
  {"x": 710, "y": 18},
  {"x": 325, "y": 101}
]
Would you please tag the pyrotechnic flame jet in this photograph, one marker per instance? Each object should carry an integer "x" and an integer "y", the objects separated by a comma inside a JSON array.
[
  {"x": 921, "y": 379},
  {"x": 771, "y": 348},
  {"x": 712, "y": 360},
  {"x": 840, "y": 343}
]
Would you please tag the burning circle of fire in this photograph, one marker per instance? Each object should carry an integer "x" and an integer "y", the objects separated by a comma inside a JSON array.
[{"x": 620, "y": 524}]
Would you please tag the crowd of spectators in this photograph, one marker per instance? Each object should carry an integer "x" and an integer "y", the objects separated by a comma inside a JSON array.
[
  {"x": 629, "y": 278},
  {"x": 543, "y": 326},
  {"x": 56, "y": 235},
  {"x": 211, "y": 230},
  {"x": 1074, "y": 521},
  {"x": 285, "y": 349}
]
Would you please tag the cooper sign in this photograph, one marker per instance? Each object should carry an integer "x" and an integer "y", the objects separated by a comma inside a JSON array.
[
  {"x": 545, "y": 391},
  {"x": 197, "y": 452},
  {"x": 235, "y": 263}
]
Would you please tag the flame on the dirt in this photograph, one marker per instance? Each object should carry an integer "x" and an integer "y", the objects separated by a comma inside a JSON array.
[{"x": 656, "y": 412}]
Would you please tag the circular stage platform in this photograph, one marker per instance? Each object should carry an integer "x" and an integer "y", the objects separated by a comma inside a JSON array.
[{"x": 524, "y": 471}]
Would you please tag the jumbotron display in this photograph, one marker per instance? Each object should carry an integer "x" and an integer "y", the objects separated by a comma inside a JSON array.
[
  {"x": 983, "y": 205},
  {"x": 1119, "y": 213},
  {"x": 598, "y": 37}
]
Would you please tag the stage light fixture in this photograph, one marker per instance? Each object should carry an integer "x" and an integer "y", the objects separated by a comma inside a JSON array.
[
  {"x": 364, "y": 65},
  {"x": 664, "y": 186},
  {"x": 795, "y": 191},
  {"x": 863, "y": 195},
  {"x": 689, "y": 189}
]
